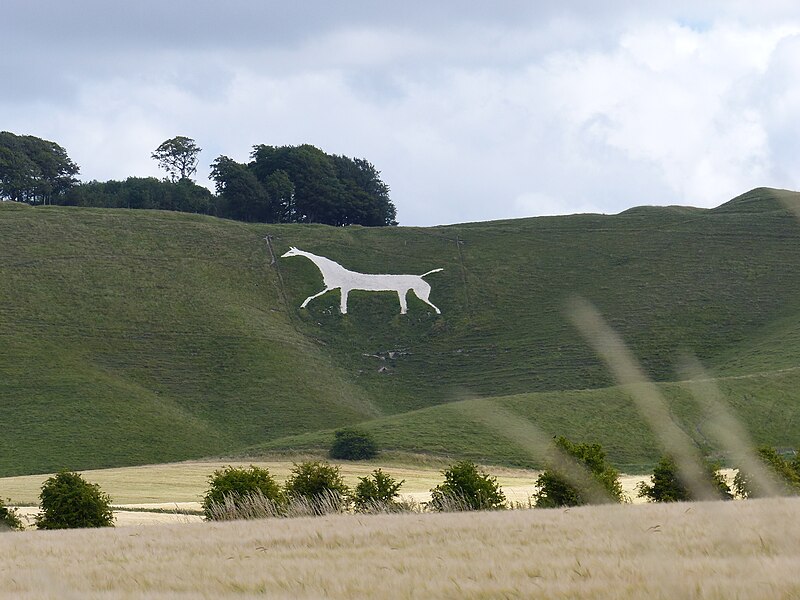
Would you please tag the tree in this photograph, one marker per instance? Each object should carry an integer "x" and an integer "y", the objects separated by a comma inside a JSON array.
[
  {"x": 143, "y": 193},
  {"x": 787, "y": 474},
  {"x": 334, "y": 190},
  {"x": 377, "y": 492},
  {"x": 319, "y": 484},
  {"x": 68, "y": 501},
  {"x": 9, "y": 519},
  {"x": 555, "y": 489},
  {"x": 351, "y": 444},
  {"x": 666, "y": 484},
  {"x": 178, "y": 157},
  {"x": 280, "y": 190},
  {"x": 34, "y": 170},
  {"x": 366, "y": 197},
  {"x": 242, "y": 196},
  {"x": 236, "y": 484},
  {"x": 466, "y": 488}
]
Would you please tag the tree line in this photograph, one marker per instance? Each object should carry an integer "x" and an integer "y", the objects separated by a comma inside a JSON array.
[
  {"x": 576, "y": 474},
  {"x": 280, "y": 184}
]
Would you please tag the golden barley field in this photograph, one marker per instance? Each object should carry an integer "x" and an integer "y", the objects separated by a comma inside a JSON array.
[
  {"x": 187, "y": 481},
  {"x": 180, "y": 486},
  {"x": 739, "y": 549}
]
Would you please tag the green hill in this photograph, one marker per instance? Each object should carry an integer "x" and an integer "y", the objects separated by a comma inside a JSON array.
[{"x": 130, "y": 337}]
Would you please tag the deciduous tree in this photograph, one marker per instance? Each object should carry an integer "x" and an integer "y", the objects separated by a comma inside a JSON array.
[
  {"x": 666, "y": 484},
  {"x": 556, "y": 489},
  {"x": 69, "y": 501},
  {"x": 34, "y": 170},
  {"x": 178, "y": 157},
  {"x": 467, "y": 488}
]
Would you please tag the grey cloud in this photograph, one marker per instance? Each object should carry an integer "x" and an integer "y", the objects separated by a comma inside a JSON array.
[{"x": 472, "y": 110}]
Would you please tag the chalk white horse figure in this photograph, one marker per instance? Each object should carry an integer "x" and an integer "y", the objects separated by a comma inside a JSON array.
[{"x": 335, "y": 276}]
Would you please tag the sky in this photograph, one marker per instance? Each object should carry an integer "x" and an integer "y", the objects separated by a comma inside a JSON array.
[{"x": 471, "y": 111}]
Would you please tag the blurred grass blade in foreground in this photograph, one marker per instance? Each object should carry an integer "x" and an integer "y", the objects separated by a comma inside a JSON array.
[
  {"x": 539, "y": 445},
  {"x": 648, "y": 400},
  {"x": 724, "y": 427}
]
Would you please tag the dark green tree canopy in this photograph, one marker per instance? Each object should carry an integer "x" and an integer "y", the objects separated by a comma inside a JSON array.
[
  {"x": 467, "y": 488},
  {"x": 241, "y": 196},
  {"x": 69, "y": 501},
  {"x": 34, "y": 170},
  {"x": 303, "y": 184},
  {"x": 236, "y": 484},
  {"x": 376, "y": 492},
  {"x": 9, "y": 518},
  {"x": 555, "y": 489},
  {"x": 352, "y": 444},
  {"x": 787, "y": 474},
  {"x": 666, "y": 484},
  {"x": 178, "y": 157},
  {"x": 143, "y": 192},
  {"x": 315, "y": 479}
]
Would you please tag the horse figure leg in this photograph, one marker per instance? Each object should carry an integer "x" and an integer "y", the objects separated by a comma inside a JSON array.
[
  {"x": 343, "y": 305},
  {"x": 403, "y": 306},
  {"x": 422, "y": 292},
  {"x": 310, "y": 298}
]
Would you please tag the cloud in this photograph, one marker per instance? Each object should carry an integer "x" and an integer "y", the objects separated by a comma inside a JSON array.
[
  {"x": 498, "y": 111},
  {"x": 679, "y": 99}
]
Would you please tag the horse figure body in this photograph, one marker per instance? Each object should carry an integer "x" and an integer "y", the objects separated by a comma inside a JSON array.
[{"x": 335, "y": 276}]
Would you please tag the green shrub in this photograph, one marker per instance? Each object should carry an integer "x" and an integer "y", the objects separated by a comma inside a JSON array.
[
  {"x": 466, "y": 488},
  {"x": 787, "y": 473},
  {"x": 666, "y": 485},
  {"x": 554, "y": 488},
  {"x": 9, "y": 519},
  {"x": 235, "y": 486},
  {"x": 351, "y": 444},
  {"x": 68, "y": 501},
  {"x": 320, "y": 484},
  {"x": 377, "y": 492}
]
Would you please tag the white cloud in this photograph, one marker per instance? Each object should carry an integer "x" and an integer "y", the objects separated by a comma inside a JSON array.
[
  {"x": 475, "y": 119},
  {"x": 678, "y": 99}
]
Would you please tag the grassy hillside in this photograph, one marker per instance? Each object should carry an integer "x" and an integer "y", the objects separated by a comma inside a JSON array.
[
  {"x": 135, "y": 336},
  {"x": 667, "y": 278},
  {"x": 768, "y": 404},
  {"x": 145, "y": 336}
]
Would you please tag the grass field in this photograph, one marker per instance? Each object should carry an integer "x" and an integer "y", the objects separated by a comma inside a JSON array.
[
  {"x": 710, "y": 550},
  {"x": 136, "y": 337},
  {"x": 767, "y": 402}
]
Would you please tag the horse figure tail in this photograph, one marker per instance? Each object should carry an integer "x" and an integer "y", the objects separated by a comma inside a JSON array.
[{"x": 433, "y": 271}]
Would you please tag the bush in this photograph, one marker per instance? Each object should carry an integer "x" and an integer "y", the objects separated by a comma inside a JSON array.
[
  {"x": 666, "y": 485},
  {"x": 466, "y": 488},
  {"x": 787, "y": 473},
  {"x": 236, "y": 486},
  {"x": 9, "y": 519},
  {"x": 68, "y": 501},
  {"x": 320, "y": 484},
  {"x": 351, "y": 444},
  {"x": 376, "y": 493},
  {"x": 555, "y": 489}
]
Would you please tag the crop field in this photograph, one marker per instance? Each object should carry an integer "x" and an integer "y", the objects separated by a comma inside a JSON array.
[
  {"x": 187, "y": 481},
  {"x": 717, "y": 550}
]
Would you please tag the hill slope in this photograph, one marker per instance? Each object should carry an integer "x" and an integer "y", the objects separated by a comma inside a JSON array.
[{"x": 129, "y": 337}]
